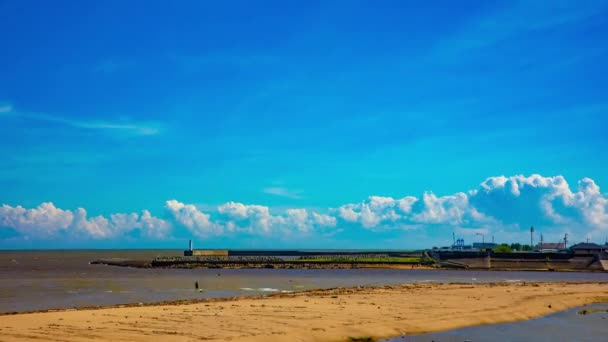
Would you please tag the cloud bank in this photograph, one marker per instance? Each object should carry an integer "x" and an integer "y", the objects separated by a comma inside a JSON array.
[
  {"x": 48, "y": 221},
  {"x": 507, "y": 204}
]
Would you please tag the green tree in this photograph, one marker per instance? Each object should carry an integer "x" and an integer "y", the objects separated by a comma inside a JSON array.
[
  {"x": 502, "y": 248},
  {"x": 516, "y": 246}
]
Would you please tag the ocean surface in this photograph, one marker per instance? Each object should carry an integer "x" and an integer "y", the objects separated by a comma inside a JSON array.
[
  {"x": 33, "y": 280},
  {"x": 567, "y": 325}
]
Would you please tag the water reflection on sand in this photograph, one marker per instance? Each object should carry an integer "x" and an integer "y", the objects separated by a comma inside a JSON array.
[{"x": 567, "y": 325}]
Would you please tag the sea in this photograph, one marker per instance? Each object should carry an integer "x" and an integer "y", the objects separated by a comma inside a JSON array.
[{"x": 54, "y": 279}]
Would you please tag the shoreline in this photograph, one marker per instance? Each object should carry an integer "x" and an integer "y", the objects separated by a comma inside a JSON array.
[
  {"x": 312, "y": 292},
  {"x": 315, "y": 315}
]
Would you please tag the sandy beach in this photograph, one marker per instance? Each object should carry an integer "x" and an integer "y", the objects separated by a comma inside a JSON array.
[{"x": 323, "y": 315}]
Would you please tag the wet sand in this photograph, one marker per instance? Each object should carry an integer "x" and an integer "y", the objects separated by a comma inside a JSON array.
[
  {"x": 567, "y": 325},
  {"x": 320, "y": 315}
]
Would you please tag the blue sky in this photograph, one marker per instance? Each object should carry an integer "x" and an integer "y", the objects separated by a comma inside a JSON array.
[{"x": 118, "y": 107}]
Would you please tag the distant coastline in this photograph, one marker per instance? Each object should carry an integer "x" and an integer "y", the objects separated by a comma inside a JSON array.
[{"x": 429, "y": 259}]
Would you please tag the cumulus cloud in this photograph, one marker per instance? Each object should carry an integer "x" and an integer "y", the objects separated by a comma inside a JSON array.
[
  {"x": 43, "y": 221},
  {"x": 258, "y": 219},
  {"x": 376, "y": 210},
  {"x": 154, "y": 227},
  {"x": 324, "y": 220},
  {"x": 195, "y": 220},
  {"x": 515, "y": 202},
  {"x": 499, "y": 204},
  {"x": 119, "y": 224},
  {"x": 548, "y": 200},
  {"x": 48, "y": 221},
  {"x": 386, "y": 211}
]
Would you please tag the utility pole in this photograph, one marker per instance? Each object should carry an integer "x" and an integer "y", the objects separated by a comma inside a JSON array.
[{"x": 565, "y": 240}]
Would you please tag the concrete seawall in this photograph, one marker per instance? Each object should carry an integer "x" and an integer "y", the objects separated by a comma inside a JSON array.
[{"x": 522, "y": 261}]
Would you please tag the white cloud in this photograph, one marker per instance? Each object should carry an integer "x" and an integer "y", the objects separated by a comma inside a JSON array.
[
  {"x": 407, "y": 211},
  {"x": 154, "y": 227},
  {"x": 43, "y": 221},
  {"x": 505, "y": 205},
  {"x": 119, "y": 224},
  {"x": 122, "y": 127},
  {"x": 324, "y": 220},
  {"x": 298, "y": 218},
  {"x": 283, "y": 192},
  {"x": 446, "y": 209},
  {"x": 96, "y": 227},
  {"x": 131, "y": 128},
  {"x": 48, "y": 221},
  {"x": 195, "y": 220},
  {"x": 544, "y": 200},
  {"x": 376, "y": 210},
  {"x": 259, "y": 219},
  {"x": 256, "y": 218}
]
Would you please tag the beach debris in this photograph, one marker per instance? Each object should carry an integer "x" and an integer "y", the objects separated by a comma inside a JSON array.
[
  {"x": 590, "y": 311},
  {"x": 362, "y": 339}
]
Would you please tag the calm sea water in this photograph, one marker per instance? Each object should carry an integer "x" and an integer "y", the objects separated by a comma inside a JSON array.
[
  {"x": 562, "y": 326},
  {"x": 31, "y": 280}
]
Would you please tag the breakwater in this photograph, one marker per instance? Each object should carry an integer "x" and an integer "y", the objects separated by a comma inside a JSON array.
[
  {"x": 312, "y": 261},
  {"x": 487, "y": 260},
  {"x": 334, "y": 261}
]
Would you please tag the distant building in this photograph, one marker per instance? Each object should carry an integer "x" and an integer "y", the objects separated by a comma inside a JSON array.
[
  {"x": 458, "y": 246},
  {"x": 547, "y": 247},
  {"x": 587, "y": 248},
  {"x": 205, "y": 252},
  {"x": 484, "y": 245}
]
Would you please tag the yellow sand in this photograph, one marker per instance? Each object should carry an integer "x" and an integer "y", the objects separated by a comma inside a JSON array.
[{"x": 323, "y": 315}]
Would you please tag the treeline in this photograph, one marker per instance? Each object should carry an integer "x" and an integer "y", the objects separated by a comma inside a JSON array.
[{"x": 514, "y": 247}]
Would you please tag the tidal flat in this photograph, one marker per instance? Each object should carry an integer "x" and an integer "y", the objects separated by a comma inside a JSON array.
[{"x": 316, "y": 315}]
